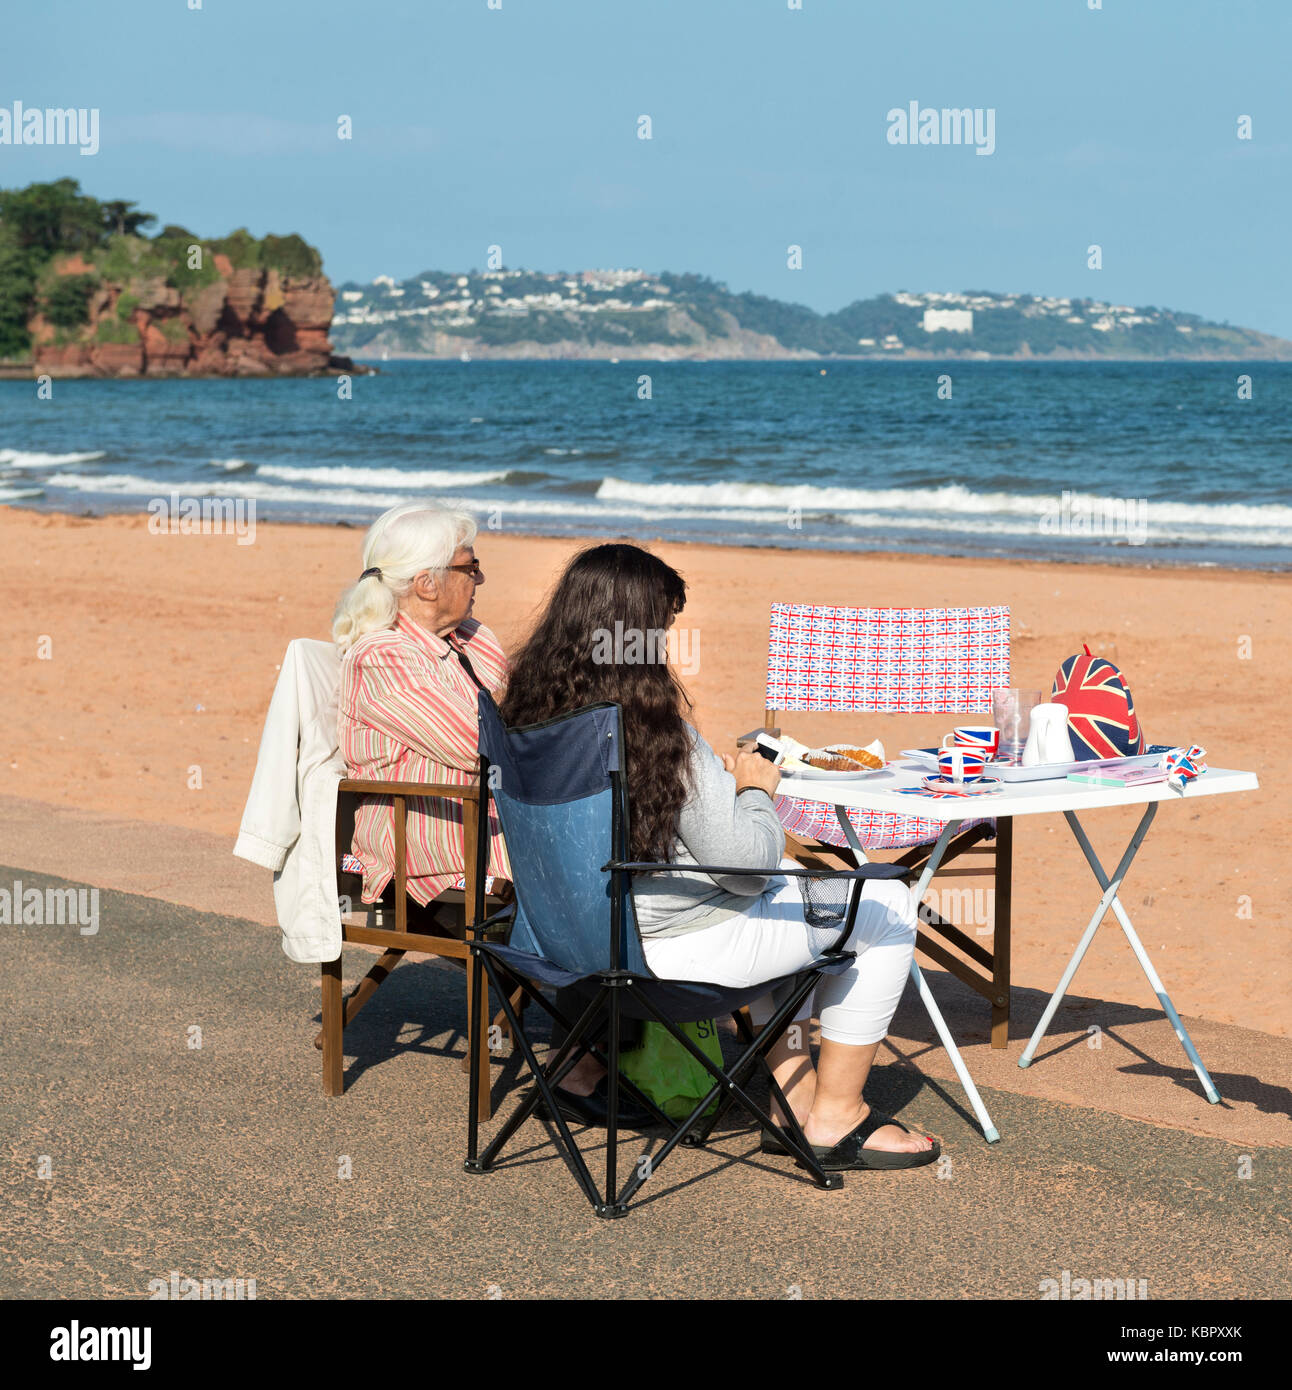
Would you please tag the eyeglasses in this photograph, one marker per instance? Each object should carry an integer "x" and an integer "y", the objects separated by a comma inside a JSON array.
[{"x": 473, "y": 569}]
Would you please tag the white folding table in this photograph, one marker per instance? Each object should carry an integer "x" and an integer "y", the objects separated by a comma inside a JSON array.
[{"x": 879, "y": 793}]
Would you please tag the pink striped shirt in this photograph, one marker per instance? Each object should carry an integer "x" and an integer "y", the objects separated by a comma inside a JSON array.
[{"x": 407, "y": 713}]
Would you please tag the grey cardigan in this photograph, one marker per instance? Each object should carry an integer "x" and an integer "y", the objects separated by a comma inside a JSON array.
[{"x": 717, "y": 825}]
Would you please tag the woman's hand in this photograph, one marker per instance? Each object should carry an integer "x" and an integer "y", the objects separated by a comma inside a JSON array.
[{"x": 752, "y": 770}]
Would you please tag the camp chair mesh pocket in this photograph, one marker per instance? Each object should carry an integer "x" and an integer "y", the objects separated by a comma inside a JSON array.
[{"x": 825, "y": 900}]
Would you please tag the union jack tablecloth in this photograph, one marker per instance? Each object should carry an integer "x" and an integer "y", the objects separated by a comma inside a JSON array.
[{"x": 814, "y": 820}]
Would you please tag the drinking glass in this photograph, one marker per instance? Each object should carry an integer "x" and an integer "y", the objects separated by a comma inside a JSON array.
[{"x": 1011, "y": 712}]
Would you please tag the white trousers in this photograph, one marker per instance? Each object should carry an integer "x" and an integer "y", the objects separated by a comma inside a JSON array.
[{"x": 772, "y": 938}]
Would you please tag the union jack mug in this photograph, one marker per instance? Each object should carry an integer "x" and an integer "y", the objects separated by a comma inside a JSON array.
[
  {"x": 982, "y": 738},
  {"x": 962, "y": 764}
]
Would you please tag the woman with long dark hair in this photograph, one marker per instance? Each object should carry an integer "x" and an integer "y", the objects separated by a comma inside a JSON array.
[{"x": 602, "y": 637}]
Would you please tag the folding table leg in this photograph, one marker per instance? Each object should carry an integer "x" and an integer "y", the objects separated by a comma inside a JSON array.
[
  {"x": 1111, "y": 888},
  {"x": 989, "y": 1131},
  {"x": 1181, "y": 1032},
  {"x": 1111, "y": 899}
]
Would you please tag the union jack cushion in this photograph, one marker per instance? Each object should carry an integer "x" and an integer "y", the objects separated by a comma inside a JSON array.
[{"x": 1101, "y": 713}]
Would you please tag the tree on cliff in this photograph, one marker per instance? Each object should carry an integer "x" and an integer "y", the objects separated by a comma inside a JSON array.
[
  {"x": 17, "y": 287},
  {"x": 65, "y": 303},
  {"x": 35, "y": 224},
  {"x": 118, "y": 218},
  {"x": 50, "y": 217}
]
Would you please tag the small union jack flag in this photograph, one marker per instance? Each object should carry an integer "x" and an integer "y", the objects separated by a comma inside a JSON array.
[{"x": 1101, "y": 713}]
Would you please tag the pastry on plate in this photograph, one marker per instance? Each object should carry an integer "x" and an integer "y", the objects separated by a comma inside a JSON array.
[
  {"x": 832, "y": 760},
  {"x": 863, "y": 756}
]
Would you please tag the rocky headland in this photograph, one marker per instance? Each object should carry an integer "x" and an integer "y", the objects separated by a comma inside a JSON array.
[
  {"x": 84, "y": 292},
  {"x": 248, "y": 321}
]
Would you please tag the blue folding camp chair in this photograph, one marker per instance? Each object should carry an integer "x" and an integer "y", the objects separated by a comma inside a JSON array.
[{"x": 562, "y": 800}]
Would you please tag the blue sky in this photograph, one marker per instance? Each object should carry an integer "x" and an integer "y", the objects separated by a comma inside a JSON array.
[{"x": 518, "y": 126}]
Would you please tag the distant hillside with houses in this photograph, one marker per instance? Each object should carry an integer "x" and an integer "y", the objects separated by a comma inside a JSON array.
[{"x": 634, "y": 313}]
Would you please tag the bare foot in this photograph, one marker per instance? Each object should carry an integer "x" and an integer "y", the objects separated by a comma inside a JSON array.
[
  {"x": 582, "y": 1078},
  {"x": 890, "y": 1138}
]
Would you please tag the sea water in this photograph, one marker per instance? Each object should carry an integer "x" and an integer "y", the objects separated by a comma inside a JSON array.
[{"x": 1140, "y": 462}]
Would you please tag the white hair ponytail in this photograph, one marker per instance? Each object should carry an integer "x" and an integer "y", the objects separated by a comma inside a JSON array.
[{"x": 399, "y": 545}]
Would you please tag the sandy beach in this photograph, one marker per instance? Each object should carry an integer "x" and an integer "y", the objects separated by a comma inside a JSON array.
[{"x": 139, "y": 668}]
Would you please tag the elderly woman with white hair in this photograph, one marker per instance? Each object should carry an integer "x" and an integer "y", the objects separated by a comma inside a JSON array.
[{"x": 413, "y": 662}]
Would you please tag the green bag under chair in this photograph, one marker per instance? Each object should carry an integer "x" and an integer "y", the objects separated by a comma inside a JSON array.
[{"x": 662, "y": 1068}]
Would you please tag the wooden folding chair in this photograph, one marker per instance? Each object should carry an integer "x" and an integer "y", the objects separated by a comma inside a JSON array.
[
  {"x": 397, "y": 940},
  {"x": 908, "y": 661}
]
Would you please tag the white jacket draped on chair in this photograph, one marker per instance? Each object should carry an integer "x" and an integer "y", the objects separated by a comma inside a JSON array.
[{"x": 289, "y": 824}]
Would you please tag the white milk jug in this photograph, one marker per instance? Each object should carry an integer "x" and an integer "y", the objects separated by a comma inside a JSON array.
[{"x": 1047, "y": 737}]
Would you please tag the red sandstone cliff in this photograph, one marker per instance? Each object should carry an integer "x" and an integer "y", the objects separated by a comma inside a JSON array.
[{"x": 249, "y": 322}]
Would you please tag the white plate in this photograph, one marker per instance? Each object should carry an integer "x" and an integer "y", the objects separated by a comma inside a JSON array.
[{"x": 816, "y": 774}]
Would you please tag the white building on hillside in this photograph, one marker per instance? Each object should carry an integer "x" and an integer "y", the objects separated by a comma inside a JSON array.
[{"x": 948, "y": 320}]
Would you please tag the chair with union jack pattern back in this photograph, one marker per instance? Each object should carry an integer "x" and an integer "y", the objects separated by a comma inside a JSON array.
[{"x": 899, "y": 661}]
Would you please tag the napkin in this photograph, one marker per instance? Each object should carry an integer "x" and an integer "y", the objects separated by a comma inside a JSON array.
[{"x": 1183, "y": 765}]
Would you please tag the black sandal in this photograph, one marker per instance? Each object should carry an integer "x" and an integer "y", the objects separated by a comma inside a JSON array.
[{"x": 849, "y": 1153}]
